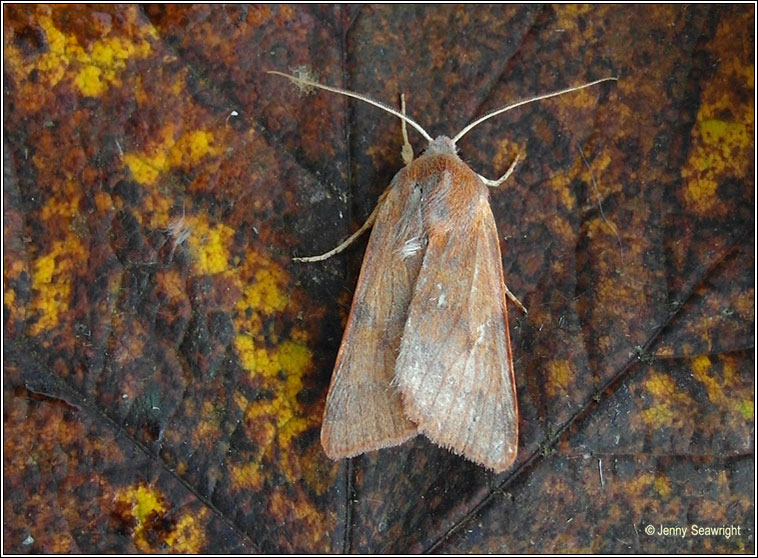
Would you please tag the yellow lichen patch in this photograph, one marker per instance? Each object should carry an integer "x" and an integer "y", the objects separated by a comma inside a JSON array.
[
  {"x": 601, "y": 226},
  {"x": 720, "y": 385},
  {"x": 148, "y": 164},
  {"x": 713, "y": 386},
  {"x": 142, "y": 502},
  {"x": 245, "y": 348},
  {"x": 639, "y": 485},
  {"x": 658, "y": 415},
  {"x": 275, "y": 366},
  {"x": 90, "y": 81},
  {"x": 188, "y": 535},
  {"x": 278, "y": 418},
  {"x": 52, "y": 278},
  {"x": 670, "y": 407},
  {"x": 558, "y": 376},
  {"x": 747, "y": 409},
  {"x": 245, "y": 476},
  {"x": 94, "y": 69},
  {"x": 660, "y": 386},
  {"x": 263, "y": 294},
  {"x": 145, "y": 169},
  {"x": 146, "y": 502},
  {"x": 64, "y": 204},
  {"x": 146, "y": 510},
  {"x": 169, "y": 152},
  {"x": 281, "y": 369},
  {"x": 662, "y": 486},
  {"x": 209, "y": 245},
  {"x": 560, "y": 184},
  {"x": 721, "y": 148},
  {"x": 191, "y": 147}
]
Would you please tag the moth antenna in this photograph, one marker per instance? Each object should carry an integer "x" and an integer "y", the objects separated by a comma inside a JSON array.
[
  {"x": 495, "y": 112},
  {"x": 303, "y": 82},
  {"x": 407, "y": 151}
]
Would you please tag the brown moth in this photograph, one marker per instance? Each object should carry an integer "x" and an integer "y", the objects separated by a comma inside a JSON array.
[{"x": 426, "y": 348}]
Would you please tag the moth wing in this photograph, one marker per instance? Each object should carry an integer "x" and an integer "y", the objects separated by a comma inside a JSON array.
[
  {"x": 363, "y": 411},
  {"x": 455, "y": 368}
]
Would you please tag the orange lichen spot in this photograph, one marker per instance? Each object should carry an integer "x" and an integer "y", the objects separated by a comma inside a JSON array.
[
  {"x": 283, "y": 506},
  {"x": 207, "y": 428},
  {"x": 558, "y": 375},
  {"x": 600, "y": 226},
  {"x": 285, "y": 15},
  {"x": 562, "y": 227},
  {"x": 103, "y": 202},
  {"x": 157, "y": 206},
  {"x": 62, "y": 543}
]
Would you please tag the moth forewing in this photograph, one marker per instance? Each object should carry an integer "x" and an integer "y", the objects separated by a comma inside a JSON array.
[
  {"x": 363, "y": 411},
  {"x": 454, "y": 367}
]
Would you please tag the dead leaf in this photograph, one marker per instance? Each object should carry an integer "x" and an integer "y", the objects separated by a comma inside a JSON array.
[{"x": 166, "y": 362}]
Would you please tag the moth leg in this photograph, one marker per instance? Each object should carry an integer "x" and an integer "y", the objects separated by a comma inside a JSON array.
[
  {"x": 515, "y": 301},
  {"x": 407, "y": 151},
  {"x": 350, "y": 239},
  {"x": 499, "y": 181}
]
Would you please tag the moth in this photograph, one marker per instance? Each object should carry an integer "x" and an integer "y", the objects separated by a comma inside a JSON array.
[{"x": 426, "y": 349}]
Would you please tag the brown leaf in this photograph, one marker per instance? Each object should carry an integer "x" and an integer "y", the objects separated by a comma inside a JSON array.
[{"x": 166, "y": 363}]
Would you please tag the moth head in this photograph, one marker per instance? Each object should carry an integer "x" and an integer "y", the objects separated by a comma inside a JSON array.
[{"x": 442, "y": 144}]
